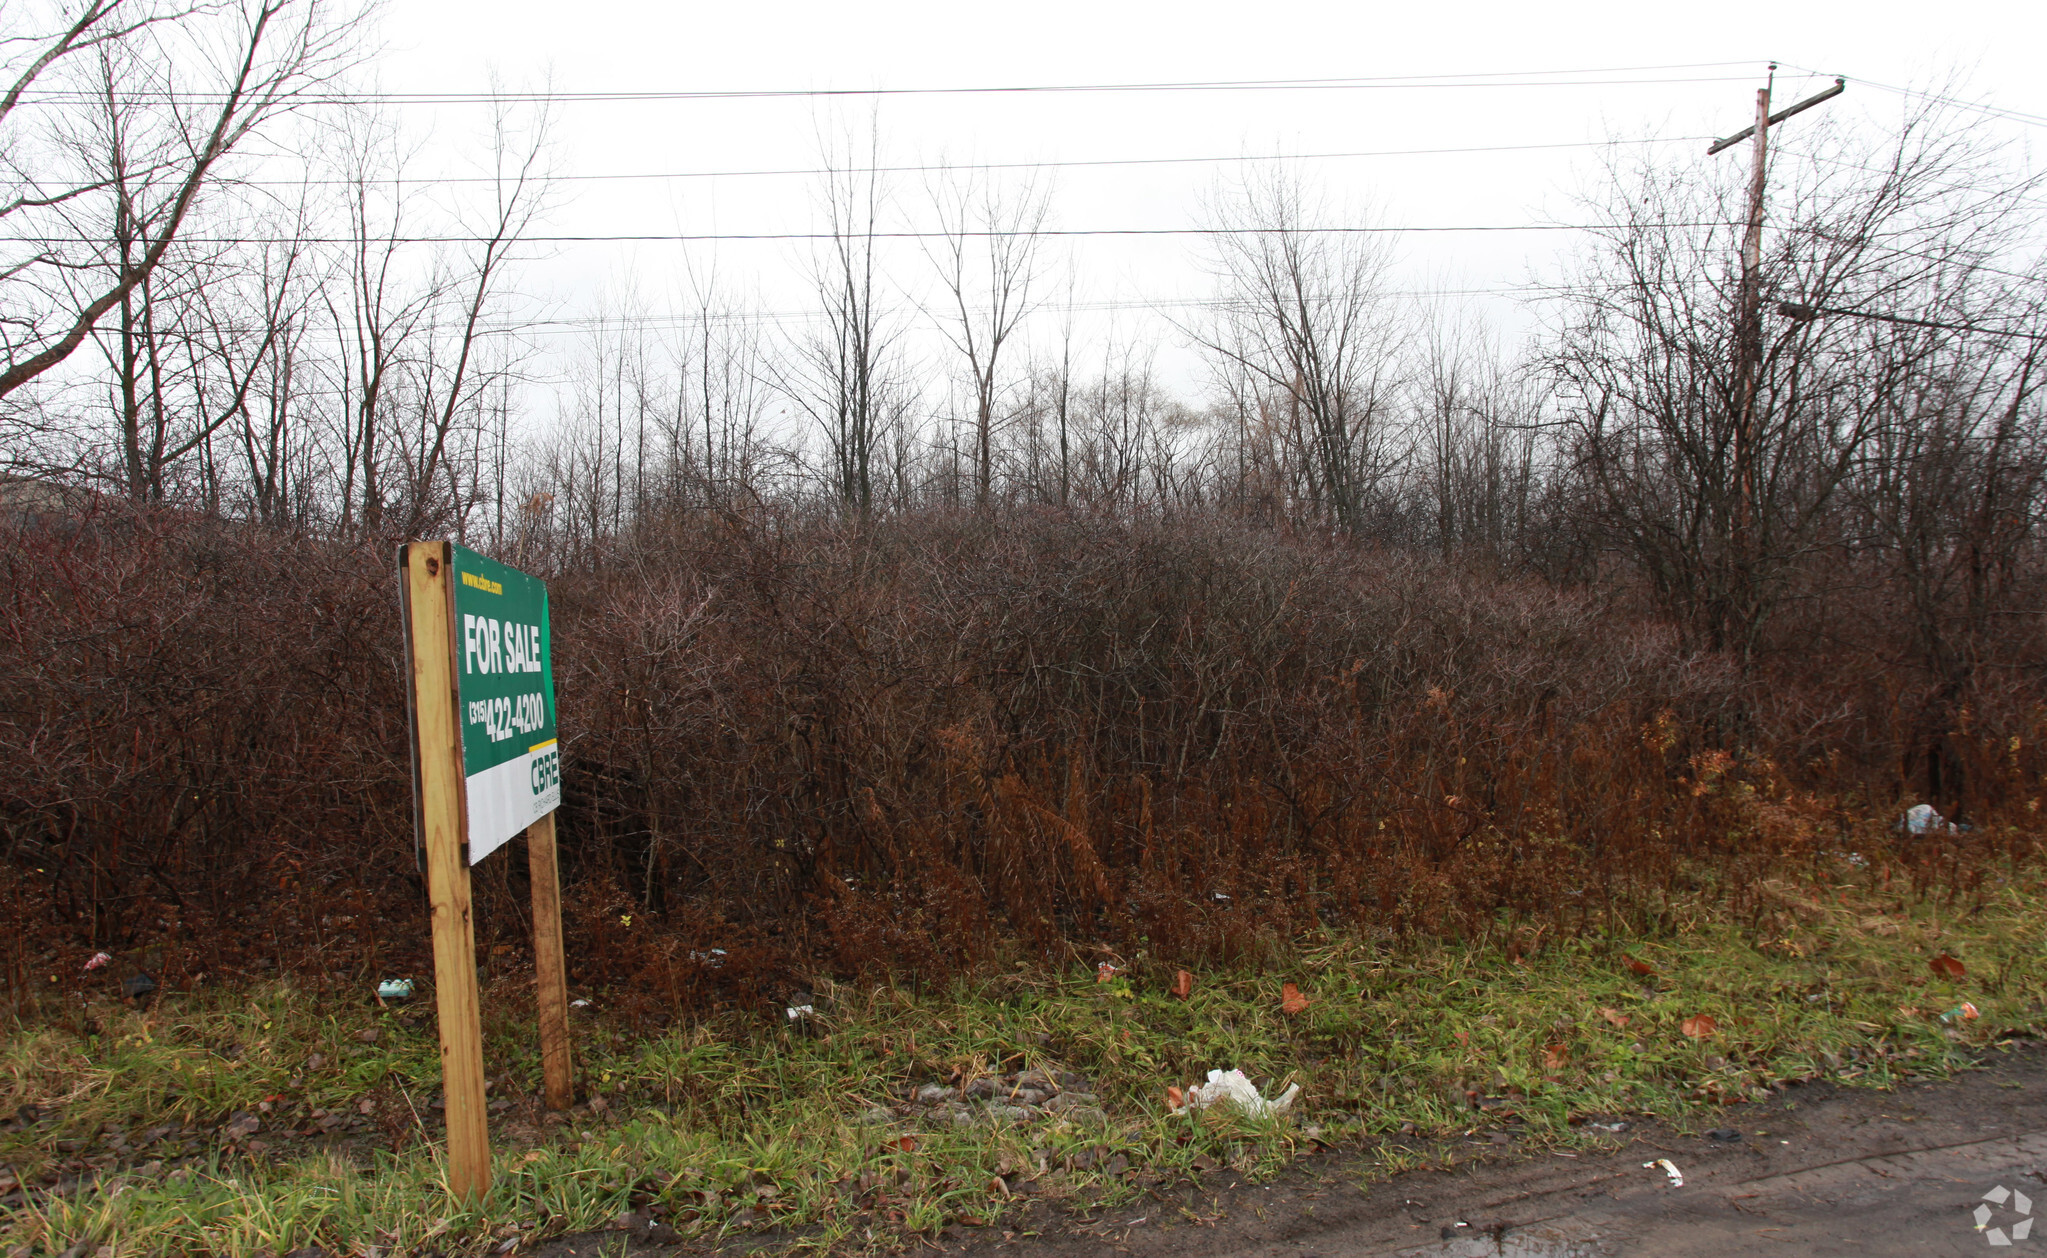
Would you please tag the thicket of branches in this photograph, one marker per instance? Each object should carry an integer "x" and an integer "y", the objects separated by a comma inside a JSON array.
[{"x": 924, "y": 622}]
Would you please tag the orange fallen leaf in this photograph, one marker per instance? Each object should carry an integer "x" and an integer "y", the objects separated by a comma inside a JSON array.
[
  {"x": 907, "y": 1144},
  {"x": 1640, "y": 967},
  {"x": 1291, "y": 1000},
  {"x": 1699, "y": 1027},
  {"x": 1614, "y": 1016},
  {"x": 1947, "y": 967},
  {"x": 1556, "y": 1057},
  {"x": 1175, "y": 1098},
  {"x": 1183, "y": 984}
]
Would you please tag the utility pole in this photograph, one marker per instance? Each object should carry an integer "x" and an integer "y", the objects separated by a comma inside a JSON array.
[{"x": 1748, "y": 330}]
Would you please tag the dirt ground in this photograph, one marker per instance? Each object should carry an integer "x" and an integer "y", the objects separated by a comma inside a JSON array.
[{"x": 1821, "y": 1170}]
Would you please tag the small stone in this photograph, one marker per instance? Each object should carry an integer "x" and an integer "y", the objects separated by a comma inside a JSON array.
[
  {"x": 979, "y": 1089},
  {"x": 1723, "y": 1133},
  {"x": 1035, "y": 1079},
  {"x": 1009, "y": 1114},
  {"x": 931, "y": 1093},
  {"x": 1072, "y": 1082},
  {"x": 1070, "y": 1100},
  {"x": 369, "y": 1036},
  {"x": 1087, "y": 1114},
  {"x": 1027, "y": 1096}
]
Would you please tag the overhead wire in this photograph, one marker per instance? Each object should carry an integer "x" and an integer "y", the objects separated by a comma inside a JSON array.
[
  {"x": 1403, "y": 82},
  {"x": 942, "y": 167}
]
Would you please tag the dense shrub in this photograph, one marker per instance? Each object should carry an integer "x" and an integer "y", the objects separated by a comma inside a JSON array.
[{"x": 930, "y": 742}]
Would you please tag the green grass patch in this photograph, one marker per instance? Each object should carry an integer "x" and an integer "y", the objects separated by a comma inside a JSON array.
[{"x": 727, "y": 1127}]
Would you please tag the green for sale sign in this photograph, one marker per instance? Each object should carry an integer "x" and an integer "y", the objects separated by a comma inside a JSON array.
[{"x": 504, "y": 674}]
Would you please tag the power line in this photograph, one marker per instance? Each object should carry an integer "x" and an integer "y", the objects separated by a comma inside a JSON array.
[
  {"x": 709, "y": 237},
  {"x": 930, "y": 167},
  {"x": 1495, "y": 79},
  {"x": 1994, "y": 111}
]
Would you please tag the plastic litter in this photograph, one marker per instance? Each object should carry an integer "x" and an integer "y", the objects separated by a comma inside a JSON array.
[
  {"x": 714, "y": 958},
  {"x": 98, "y": 959},
  {"x": 799, "y": 1012},
  {"x": 1232, "y": 1087},
  {"x": 579, "y": 1004},
  {"x": 395, "y": 989},
  {"x": 1677, "y": 1177},
  {"x": 1964, "y": 1012},
  {"x": 1923, "y": 819}
]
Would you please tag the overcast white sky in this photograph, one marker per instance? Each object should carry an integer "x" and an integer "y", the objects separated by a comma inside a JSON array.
[{"x": 457, "y": 45}]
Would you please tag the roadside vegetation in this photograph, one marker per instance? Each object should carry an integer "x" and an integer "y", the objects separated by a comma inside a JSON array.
[{"x": 285, "y": 1117}]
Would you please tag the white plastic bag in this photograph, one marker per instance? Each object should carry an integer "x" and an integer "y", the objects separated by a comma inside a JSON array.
[
  {"x": 1922, "y": 819},
  {"x": 1231, "y": 1086}
]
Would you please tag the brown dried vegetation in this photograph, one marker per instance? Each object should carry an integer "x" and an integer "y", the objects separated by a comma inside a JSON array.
[{"x": 929, "y": 744}]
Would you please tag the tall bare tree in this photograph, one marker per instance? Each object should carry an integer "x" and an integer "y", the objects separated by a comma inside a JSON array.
[
  {"x": 1303, "y": 314},
  {"x": 986, "y": 255},
  {"x": 189, "y": 87}
]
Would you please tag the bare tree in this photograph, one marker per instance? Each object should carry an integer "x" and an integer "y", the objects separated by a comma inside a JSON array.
[
  {"x": 986, "y": 256},
  {"x": 843, "y": 371},
  {"x": 1303, "y": 316},
  {"x": 189, "y": 92},
  {"x": 1645, "y": 358}
]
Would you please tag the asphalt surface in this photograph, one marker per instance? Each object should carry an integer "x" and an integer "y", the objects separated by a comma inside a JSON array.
[{"x": 1822, "y": 1170}]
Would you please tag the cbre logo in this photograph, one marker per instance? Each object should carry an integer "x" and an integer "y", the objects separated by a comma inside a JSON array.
[{"x": 2020, "y": 1205}]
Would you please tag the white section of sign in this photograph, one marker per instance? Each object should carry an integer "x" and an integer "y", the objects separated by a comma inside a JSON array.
[{"x": 505, "y": 799}]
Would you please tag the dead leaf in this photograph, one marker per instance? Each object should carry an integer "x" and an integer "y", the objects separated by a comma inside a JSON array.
[
  {"x": 905, "y": 1144},
  {"x": 1462, "y": 1037},
  {"x": 1183, "y": 984},
  {"x": 1700, "y": 1026},
  {"x": 1639, "y": 967},
  {"x": 1175, "y": 1098},
  {"x": 1291, "y": 1000},
  {"x": 1556, "y": 1057},
  {"x": 1615, "y": 1016},
  {"x": 1947, "y": 967}
]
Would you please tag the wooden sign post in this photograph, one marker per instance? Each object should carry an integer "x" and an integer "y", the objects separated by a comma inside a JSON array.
[{"x": 485, "y": 766}]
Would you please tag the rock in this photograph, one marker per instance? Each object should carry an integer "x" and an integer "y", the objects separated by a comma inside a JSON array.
[
  {"x": 369, "y": 1036},
  {"x": 1027, "y": 1096},
  {"x": 979, "y": 1089},
  {"x": 1072, "y": 1082},
  {"x": 1086, "y": 1114},
  {"x": 934, "y": 1092},
  {"x": 1723, "y": 1133},
  {"x": 1035, "y": 1079},
  {"x": 1009, "y": 1114},
  {"x": 1070, "y": 1100}
]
